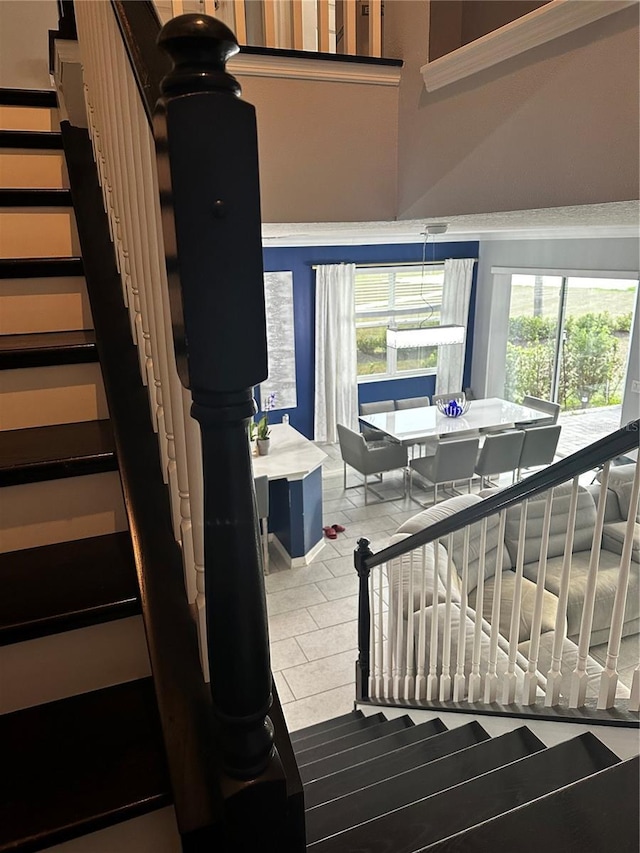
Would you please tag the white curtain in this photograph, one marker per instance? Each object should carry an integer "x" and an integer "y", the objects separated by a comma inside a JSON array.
[
  {"x": 456, "y": 292},
  {"x": 336, "y": 394}
]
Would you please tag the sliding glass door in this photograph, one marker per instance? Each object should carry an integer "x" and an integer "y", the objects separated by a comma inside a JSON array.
[{"x": 568, "y": 339}]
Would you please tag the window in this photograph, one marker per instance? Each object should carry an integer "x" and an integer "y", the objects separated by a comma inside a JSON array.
[{"x": 404, "y": 296}]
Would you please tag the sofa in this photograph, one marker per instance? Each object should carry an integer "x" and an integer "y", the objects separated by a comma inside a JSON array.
[{"x": 405, "y": 576}]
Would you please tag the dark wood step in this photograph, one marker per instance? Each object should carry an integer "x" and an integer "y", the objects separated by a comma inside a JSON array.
[
  {"x": 427, "y": 744},
  {"x": 80, "y": 764},
  {"x": 595, "y": 815},
  {"x": 42, "y": 139},
  {"x": 374, "y": 749},
  {"x": 325, "y": 726},
  {"x": 40, "y": 267},
  {"x": 35, "y": 198},
  {"x": 28, "y": 98},
  {"x": 349, "y": 741},
  {"x": 429, "y": 778},
  {"x": 356, "y": 725},
  {"x": 53, "y": 452},
  {"x": 66, "y": 586},
  {"x": 46, "y": 349},
  {"x": 415, "y": 826}
]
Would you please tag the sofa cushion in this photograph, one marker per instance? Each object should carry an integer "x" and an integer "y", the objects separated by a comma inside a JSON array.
[
  {"x": 606, "y": 585},
  {"x": 621, "y": 483},
  {"x": 585, "y": 522},
  {"x": 611, "y": 507},
  {"x": 613, "y": 538},
  {"x": 527, "y": 605},
  {"x": 567, "y": 666}
]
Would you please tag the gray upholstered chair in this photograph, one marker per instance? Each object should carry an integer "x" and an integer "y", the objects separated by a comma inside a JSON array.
[
  {"x": 370, "y": 433},
  {"x": 453, "y": 461},
  {"x": 500, "y": 453},
  {"x": 368, "y": 460},
  {"x": 539, "y": 446},
  {"x": 551, "y": 409},
  {"x": 262, "y": 502},
  {"x": 412, "y": 403}
]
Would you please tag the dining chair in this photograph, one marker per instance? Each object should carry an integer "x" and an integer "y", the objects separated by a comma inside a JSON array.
[
  {"x": 500, "y": 453},
  {"x": 453, "y": 461},
  {"x": 552, "y": 409},
  {"x": 412, "y": 403},
  {"x": 368, "y": 460},
  {"x": 381, "y": 406},
  {"x": 539, "y": 446},
  {"x": 262, "y": 502}
]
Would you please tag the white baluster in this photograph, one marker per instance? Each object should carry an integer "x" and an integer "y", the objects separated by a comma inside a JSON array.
[
  {"x": 398, "y": 669},
  {"x": 394, "y": 567},
  {"x": 459, "y": 679},
  {"x": 240, "y": 21},
  {"x": 580, "y": 678},
  {"x": 491, "y": 681},
  {"x": 475, "y": 678},
  {"x": 375, "y": 27},
  {"x": 554, "y": 676},
  {"x": 324, "y": 42},
  {"x": 376, "y": 652},
  {"x": 509, "y": 680},
  {"x": 634, "y": 699},
  {"x": 409, "y": 678},
  {"x": 432, "y": 679},
  {"x": 349, "y": 24},
  {"x": 531, "y": 676},
  {"x": 445, "y": 678},
  {"x": 421, "y": 681},
  {"x": 609, "y": 677}
]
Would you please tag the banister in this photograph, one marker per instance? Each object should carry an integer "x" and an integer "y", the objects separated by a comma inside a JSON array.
[{"x": 615, "y": 444}]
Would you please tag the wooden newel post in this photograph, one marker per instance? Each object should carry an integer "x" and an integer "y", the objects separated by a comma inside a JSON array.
[
  {"x": 207, "y": 150},
  {"x": 363, "y": 664}
]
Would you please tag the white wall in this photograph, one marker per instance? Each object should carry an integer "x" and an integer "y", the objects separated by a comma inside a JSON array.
[
  {"x": 24, "y": 42},
  {"x": 493, "y": 296},
  {"x": 555, "y": 126}
]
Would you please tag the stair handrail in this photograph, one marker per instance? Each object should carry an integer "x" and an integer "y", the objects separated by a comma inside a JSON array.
[{"x": 588, "y": 458}]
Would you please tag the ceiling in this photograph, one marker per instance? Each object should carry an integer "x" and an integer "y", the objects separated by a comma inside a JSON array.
[{"x": 614, "y": 219}]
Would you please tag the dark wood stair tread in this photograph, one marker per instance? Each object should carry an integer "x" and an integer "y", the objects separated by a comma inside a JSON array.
[
  {"x": 381, "y": 746},
  {"x": 66, "y": 586},
  {"x": 426, "y": 745},
  {"x": 349, "y": 741},
  {"x": 598, "y": 814},
  {"x": 80, "y": 764},
  {"x": 53, "y": 452},
  {"x": 40, "y": 267},
  {"x": 35, "y": 198},
  {"x": 325, "y": 726},
  {"x": 430, "y": 819},
  {"x": 396, "y": 791},
  {"x": 40, "y": 139},
  {"x": 28, "y": 98},
  {"x": 355, "y": 725},
  {"x": 44, "y": 349}
]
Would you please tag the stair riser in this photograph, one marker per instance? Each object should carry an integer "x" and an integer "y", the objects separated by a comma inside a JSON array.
[
  {"x": 41, "y": 396},
  {"x": 23, "y": 168},
  {"x": 156, "y": 832},
  {"x": 72, "y": 662},
  {"x": 28, "y": 118},
  {"x": 43, "y": 305},
  {"x": 43, "y": 513},
  {"x": 38, "y": 233}
]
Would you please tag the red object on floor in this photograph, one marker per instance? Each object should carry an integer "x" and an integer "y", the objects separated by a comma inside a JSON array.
[
  {"x": 330, "y": 533},
  {"x": 338, "y": 528}
]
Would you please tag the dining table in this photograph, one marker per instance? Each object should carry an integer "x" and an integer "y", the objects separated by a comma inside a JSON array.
[{"x": 422, "y": 424}]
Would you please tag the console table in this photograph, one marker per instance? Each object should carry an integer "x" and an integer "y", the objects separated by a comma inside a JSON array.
[{"x": 294, "y": 469}]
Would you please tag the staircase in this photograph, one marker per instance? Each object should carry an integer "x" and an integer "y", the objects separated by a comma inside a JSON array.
[
  {"x": 82, "y": 751},
  {"x": 388, "y": 786}
]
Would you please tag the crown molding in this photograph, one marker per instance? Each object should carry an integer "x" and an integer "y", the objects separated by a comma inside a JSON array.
[
  {"x": 549, "y": 22},
  {"x": 317, "y": 70}
]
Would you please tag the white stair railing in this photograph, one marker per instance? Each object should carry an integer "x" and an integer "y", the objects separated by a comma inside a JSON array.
[
  {"x": 124, "y": 150},
  {"x": 432, "y": 644}
]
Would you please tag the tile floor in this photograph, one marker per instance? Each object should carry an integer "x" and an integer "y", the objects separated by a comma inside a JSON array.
[{"x": 313, "y": 610}]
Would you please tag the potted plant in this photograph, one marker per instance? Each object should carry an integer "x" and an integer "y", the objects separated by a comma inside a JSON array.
[
  {"x": 263, "y": 432},
  {"x": 253, "y": 431}
]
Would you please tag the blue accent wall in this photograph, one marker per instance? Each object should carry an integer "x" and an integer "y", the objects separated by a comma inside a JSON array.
[{"x": 300, "y": 260}]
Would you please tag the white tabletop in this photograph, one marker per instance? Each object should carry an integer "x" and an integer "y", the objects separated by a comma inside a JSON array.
[
  {"x": 413, "y": 425},
  {"x": 292, "y": 456}
]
